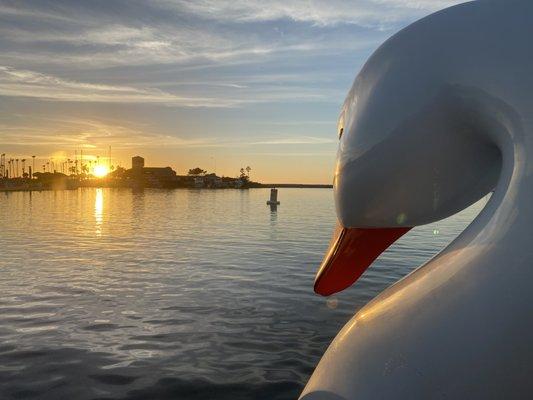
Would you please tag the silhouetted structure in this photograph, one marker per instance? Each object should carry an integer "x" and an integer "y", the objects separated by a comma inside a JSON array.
[
  {"x": 140, "y": 175},
  {"x": 137, "y": 163},
  {"x": 137, "y": 176}
]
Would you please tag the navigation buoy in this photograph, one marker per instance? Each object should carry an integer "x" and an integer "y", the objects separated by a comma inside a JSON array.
[{"x": 273, "y": 198}]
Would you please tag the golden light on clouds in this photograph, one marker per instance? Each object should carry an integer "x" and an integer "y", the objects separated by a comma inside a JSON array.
[{"x": 85, "y": 76}]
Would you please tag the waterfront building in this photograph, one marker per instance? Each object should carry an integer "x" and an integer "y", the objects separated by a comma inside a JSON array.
[
  {"x": 150, "y": 176},
  {"x": 137, "y": 163}
]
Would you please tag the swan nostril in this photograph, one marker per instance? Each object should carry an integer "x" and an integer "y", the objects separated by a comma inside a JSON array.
[
  {"x": 401, "y": 218},
  {"x": 341, "y": 131}
]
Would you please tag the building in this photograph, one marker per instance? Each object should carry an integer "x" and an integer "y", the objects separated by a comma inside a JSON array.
[
  {"x": 151, "y": 176},
  {"x": 212, "y": 181},
  {"x": 137, "y": 163}
]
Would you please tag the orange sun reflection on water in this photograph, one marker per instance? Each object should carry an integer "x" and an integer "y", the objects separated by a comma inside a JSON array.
[{"x": 99, "y": 211}]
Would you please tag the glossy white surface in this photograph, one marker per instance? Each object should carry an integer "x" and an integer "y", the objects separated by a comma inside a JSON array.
[{"x": 440, "y": 115}]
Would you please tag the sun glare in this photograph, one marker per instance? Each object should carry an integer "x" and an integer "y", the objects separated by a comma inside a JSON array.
[{"x": 100, "y": 171}]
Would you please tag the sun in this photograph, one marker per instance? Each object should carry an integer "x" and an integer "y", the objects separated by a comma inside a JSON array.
[{"x": 100, "y": 171}]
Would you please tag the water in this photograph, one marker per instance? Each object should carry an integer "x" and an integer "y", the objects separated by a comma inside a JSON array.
[{"x": 179, "y": 294}]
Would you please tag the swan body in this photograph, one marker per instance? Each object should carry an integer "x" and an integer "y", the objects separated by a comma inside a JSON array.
[{"x": 439, "y": 116}]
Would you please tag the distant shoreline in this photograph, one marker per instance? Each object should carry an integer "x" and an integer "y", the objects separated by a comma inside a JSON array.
[
  {"x": 296, "y": 185},
  {"x": 255, "y": 186}
]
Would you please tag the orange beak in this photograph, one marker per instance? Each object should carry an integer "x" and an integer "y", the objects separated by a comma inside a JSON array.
[{"x": 351, "y": 252}]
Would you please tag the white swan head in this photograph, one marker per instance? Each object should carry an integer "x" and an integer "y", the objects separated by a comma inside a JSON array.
[{"x": 415, "y": 147}]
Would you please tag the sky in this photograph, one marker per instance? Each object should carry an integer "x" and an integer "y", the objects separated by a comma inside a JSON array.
[{"x": 214, "y": 84}]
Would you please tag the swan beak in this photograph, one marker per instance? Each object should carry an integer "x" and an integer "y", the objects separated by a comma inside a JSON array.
[{"x": 350, "y": 253}]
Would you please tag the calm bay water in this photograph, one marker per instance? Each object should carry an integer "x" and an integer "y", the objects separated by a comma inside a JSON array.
[{"x": 179, "y": 294}]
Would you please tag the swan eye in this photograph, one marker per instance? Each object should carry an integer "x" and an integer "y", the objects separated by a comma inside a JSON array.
[{"x": 340, "y": 124}]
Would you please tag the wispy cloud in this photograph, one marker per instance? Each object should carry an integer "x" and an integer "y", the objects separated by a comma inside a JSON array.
[
  {"x": 295, "y": 140},
  {"x": 185, "y": 33},
  {"x": 64, "y": 132},
  {"x": 363, "y": 12},
  {"x": 24, "y": 83},
  {"x": 192, "y": 32},
  {"x": 15, "y": 82}
]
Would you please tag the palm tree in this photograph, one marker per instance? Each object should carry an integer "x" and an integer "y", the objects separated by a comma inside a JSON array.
[
  {"x": 3, "y": 164},
  {"x": 33, "y": 168}
]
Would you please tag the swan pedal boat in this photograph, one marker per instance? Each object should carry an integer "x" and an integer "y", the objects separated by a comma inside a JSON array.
[{"x": 439, "y": 116}]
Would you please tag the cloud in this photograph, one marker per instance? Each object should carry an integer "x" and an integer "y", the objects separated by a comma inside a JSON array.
[
  {"x": 24, "y": 83},
  {"x": 192, "y": 33},
  {"x": 39, "y": 130},
  {"x": 295, "y": 140},
  {"x": 11, "y": 11},
  {"x": 14, "y": 82},
  {"x": 123, "y": 46},
  {"x": 75, "y": 132},
  {"x": 377, "y": 13},
  {"x": 182, "y": 33},
  {"x": 118, "y": 45}
]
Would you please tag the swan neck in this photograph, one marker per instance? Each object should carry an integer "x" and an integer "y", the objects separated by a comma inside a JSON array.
[{"x": 509, "y": 212}]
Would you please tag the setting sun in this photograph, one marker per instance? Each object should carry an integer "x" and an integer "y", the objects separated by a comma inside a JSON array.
[{"x": 100, "y": 171}]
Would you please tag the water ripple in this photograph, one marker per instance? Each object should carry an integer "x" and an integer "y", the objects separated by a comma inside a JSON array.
[{"x": 115, "y": 294}]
